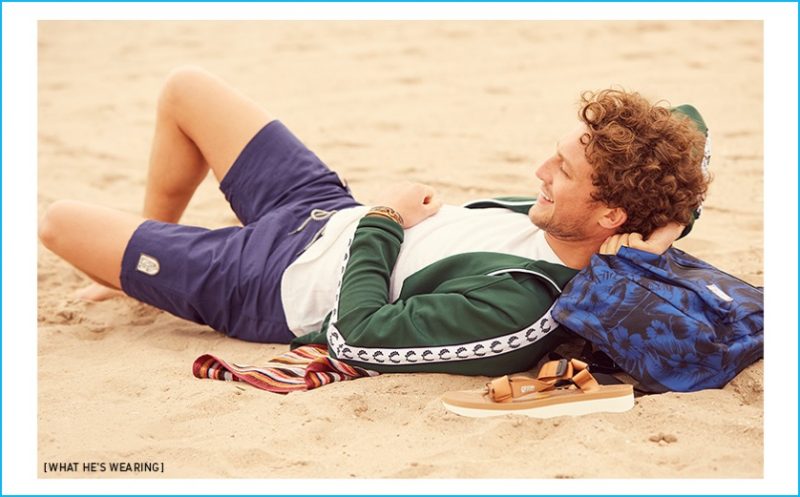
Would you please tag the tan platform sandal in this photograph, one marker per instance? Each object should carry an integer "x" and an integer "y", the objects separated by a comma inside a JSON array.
[{"x": 562, "y": 388}]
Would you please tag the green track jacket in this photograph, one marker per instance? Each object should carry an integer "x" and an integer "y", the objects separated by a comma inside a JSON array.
[{"x": 477, "y": 313}]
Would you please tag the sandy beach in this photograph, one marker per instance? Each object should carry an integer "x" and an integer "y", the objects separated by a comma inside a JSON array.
[{"x": 469, "y": 107}]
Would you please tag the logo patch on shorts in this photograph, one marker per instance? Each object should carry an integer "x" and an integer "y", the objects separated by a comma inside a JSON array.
[{"x": 148, "y": 265}]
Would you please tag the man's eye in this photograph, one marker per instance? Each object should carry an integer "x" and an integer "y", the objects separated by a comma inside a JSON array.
[{"x": 563, "y": 171}]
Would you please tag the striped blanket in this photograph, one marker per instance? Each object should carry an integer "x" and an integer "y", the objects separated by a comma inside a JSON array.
[{"x": 303, "y": 368}]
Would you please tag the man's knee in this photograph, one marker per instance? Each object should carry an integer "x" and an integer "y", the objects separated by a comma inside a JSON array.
[
  {"x": 181, "y": 85},
  {"x": 51, "y": 226}
]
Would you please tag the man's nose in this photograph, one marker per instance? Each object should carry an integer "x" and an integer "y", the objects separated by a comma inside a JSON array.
[{"x": 543, "y": 172}]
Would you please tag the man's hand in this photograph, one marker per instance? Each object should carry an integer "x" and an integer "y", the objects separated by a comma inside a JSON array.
[
  {"x": 657, "y": 243},
  {"x": 415, "y": 202}
]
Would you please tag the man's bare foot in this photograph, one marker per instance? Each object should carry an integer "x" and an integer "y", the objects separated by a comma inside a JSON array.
[{"x": 97, "y": 293}]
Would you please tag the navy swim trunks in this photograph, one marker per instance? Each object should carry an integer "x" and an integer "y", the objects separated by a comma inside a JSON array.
[{"x": 230, "y": 278}]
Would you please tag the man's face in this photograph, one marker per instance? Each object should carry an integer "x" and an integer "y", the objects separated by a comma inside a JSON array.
[{"x": 565, "y": 208}]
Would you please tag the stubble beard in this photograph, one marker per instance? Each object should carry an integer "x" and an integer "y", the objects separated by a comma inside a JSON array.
[{"x": 561, "y": 229}]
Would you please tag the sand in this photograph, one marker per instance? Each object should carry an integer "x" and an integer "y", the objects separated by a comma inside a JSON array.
[{"x": 469, "y": 107}]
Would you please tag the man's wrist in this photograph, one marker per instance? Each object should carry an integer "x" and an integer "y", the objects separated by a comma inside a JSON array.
[{"x": 387, "y": 212}]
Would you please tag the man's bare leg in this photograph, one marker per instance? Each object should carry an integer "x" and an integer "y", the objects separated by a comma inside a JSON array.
[
  {"x": 89, "y": 237},
  {"x": 202, "y": 123}
]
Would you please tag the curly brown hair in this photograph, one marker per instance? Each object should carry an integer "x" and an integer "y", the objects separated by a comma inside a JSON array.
[{"x": 646, "y": 159}]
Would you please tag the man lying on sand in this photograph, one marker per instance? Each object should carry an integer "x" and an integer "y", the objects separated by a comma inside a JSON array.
[{"x": 410, "y": 285}]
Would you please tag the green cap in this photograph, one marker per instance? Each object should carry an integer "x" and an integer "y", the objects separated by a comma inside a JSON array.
[{"x": 693, "y": 114}]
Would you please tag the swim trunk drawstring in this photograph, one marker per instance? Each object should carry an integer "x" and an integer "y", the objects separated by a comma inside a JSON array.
[{"x": 316, "y": 215}]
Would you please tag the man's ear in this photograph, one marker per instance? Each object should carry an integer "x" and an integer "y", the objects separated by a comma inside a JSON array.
[{"x": 613, "y": 218}]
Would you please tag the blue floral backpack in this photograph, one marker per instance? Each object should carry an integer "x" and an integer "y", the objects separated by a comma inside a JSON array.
[{"x": 672, "y": 322}]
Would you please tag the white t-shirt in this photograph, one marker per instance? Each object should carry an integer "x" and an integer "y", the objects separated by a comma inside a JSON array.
[{"x": 309, "y": 284}]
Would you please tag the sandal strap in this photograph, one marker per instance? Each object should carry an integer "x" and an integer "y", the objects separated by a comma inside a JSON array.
[
  {"x": 585, "y": 381},
  {"x": 505, "y": 388},
  {"x": 556, "y": 370}
]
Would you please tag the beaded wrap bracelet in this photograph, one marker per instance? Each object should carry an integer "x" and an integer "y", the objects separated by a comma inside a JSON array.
[{"x": 386, "y": 212}]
